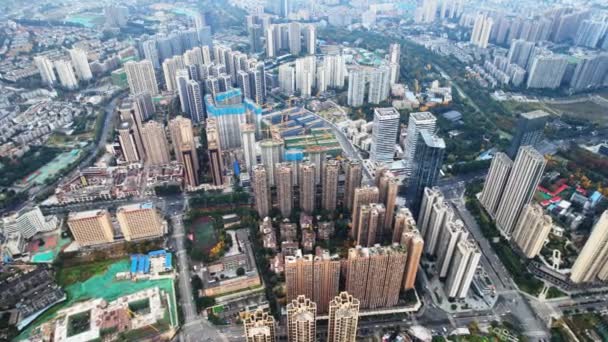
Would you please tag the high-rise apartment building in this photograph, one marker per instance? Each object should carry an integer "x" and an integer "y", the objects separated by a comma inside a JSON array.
[
  {"x": 343, "y": 318},
  {"x": 414, "y": 244},
  {"x": 532, "y": 229},
  {"x": 384, "y": 134},
  {"x": 309, "y": 34},
  {"x": 141, "y": 77},
  {"x": 261, "y": 190},
  {"x": 495, "y": 183},
  {"x": 91, "y": 227},
  {"x": 284, "y": 188},
  {"x": 306, "y": 68},
  {"x": 214, "y": 151},
  {"x": 81, "y": 64},
  {"x": 140, "y": 221},
  {"x": 388, "y": 186},
  {"x": 370, "y": 224},
  {"x": 335, "y": 69},
  {"x": 428, "y": 161},
  {"x": 170, "y": 68},
  {"x": 462, "y": 270},
  {"x": 453, "y": 232},
  {"x": 529, "y": 130},
  {"x": 547, "y": 71},
  {"x": 520, "y": 51},
  {"x": 301, "y": 320},
  {"x": 404, "y": 222},
  {"x": 394, "y": 57},
  {"x": 249, "y": 153},
  {"x": 65, "y": 73},
  {"x": 331, "y": 171},
  {"x": 295, "y": 38},
  {"x": 417, "y": 122},
  {"x": 356, "y": 88},
  {"x": 307, "y": 187},
  {"x": 363, "y": 195},
  {"x": 316, "y": 277},
  {"x": 287, "y": 79},
  {"x": 259, "y": 326},
  {"x": 272, "y": 153},
  {"x": 352, "y": 180},
  {"x": 481, "y": 30},
  {"x": 155, "y": 143},
  {"x": 379, "y": 84},
  {"x": 184, "y": 145},
  {"x": 435, "y": 212},
  {"x": 195, "y": 101},
  {"x": 592, "y": 261},
  {"x": 524, "y": 178},
  {"x": 374, "y": 274},
  {"x": 127, "y": 139}
]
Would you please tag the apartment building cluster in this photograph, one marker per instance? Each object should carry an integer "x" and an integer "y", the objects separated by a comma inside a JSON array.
[
  {"x": 131, "y": 222},
  {"x": 22, "y": 226}
]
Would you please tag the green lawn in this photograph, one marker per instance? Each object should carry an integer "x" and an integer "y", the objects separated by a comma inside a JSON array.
[
  {"x": 204, "y": 233},
  {"x": 70, "y": 275},
  {"x": 554, "y": 292},
  {"x": 587, "y": 110}
]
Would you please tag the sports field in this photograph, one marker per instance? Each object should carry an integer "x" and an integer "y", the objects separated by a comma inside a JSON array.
[{"x": 203, "y": 233}]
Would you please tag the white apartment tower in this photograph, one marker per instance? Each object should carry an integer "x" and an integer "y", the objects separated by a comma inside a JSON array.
[{"x": 384, "y": 134}]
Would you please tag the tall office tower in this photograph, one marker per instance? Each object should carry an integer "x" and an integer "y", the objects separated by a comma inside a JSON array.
[
  {"x": 243, "y": 82},
  {"x": 310, "y": 39},
  {"x": 343, "y": 318},
  {"x": 384, "y": 134},
  {"x": 195, "y": 101},
  {"x": 369, "y": 228},
  {"x": 331, "y": 171},
  {"x": 379, "y": 84},
  {"x": 259, "y": 327},
  {"x": 495, "y": 183},
  {"x": 547, "y": 71},
  {"x": 284, "y": 182},
  {"x": 356, "y": 88},
  {"x": 592, "y": 261},
  {"x": 182, "y": 137},
  {"x": 590, "y": 32},
  {"x": 428, "y": 161},
  {"x": 307, "y": 187},
  {"x": 151, "y": 52},
  {"x": 257, "y": 77},
  {"x": 533, "y": 228},
  {"x": 261, "y": 190},
  {"x": 301, "y": 320},
  {"x": 127, "y": 139},
  {"x": 520, "y": 51},
  {"x": 45, "y": 67},
  {"x": 404, "y": 222},
  {"x": 414, "y": 244},
  {"x": 362, "y": 195},
  {"x": 272, "y": 153},
  {"x": 435, "y": 213},
  {"x": 374, "y": 274},
  {"x": 417, "y": 122},
  {"x": 394, "y": 57},
  {"x": 91, "y": 227},
  {"x": 141, "y": 77},
  {"x": 317, "y": 277},
  {"x": 466, "y": 258},
  {"x": 529, "y": 130},
  {"x": 295, "y": 38},
  {"x": 249, "y": 154},
  {"x": 140, "y": 221},
  {"x": 481, "y": 30},
  {"x": 590, "y": 72},
  {"x": 181, "y": 78},
  {"x": 388, "y": 185},
  {"x": 65, "y": 73},
  {"x": 287, "y": 79},
  {"x": 524, "y": 178},
  {"x": 452, "y": 232},
  {"x": 155, "y": 143},
  {"x": 353, "y": 174},
  {"x": 305, "y": 75},
  {"x": 81, "y": 64},
  {"x": 214, "y": 151},
  {"x": 269, "y": 34}
]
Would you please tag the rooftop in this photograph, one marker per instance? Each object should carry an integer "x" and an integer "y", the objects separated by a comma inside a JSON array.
[
  {"x": 386, "y": 113},
  {"x": 86, "y": 214},
  {"x": 535, "y": 114},
  {"x": 432, "y": 140},
  {"x": 136, "y": 206}
]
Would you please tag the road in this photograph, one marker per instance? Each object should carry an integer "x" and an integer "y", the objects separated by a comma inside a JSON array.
[
  {"x": 194, "y": 327},
  {"x": 347, "y": 146}
]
